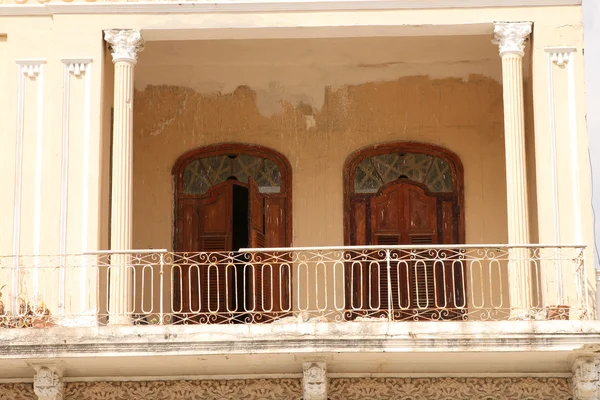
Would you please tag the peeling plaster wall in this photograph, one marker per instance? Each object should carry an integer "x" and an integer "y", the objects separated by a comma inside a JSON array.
[{"x": 317, "y": 101}]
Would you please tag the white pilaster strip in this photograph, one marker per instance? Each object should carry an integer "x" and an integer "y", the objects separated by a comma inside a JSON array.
[
  {"x": 64, "y": 189},
  {"x": 559, "y": 56},
  {"x": 64, "y": 186},
  {"x": 77, "y": 67},
  {"x": 16, "y": 248},
  {"x": 37, "y": 235},
  {"x": 86, "y": 157},
  {"x": 574, "y": 148},
  {"x": 32, "y": 69},
  {"x": 554, "y": 172},
  {"x": 84, "y": 288}
]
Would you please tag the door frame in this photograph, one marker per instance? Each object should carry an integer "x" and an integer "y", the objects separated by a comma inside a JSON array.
[
  {"x": 401, "y": 147},
  {"x": 239, "y": 149}
]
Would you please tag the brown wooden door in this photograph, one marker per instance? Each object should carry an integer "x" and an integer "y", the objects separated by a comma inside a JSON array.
[
  {"x": 200, "y": 281},
  {"x": 404, "y": 214}
]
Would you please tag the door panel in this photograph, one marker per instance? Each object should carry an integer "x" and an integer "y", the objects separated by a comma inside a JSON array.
[
  {"x": 387, "y": 229},
  {"x": 259, "y": 286},
  {"x": 414, "y": 282},
  {"x": 269, "y": 286},
  {"x": 201, "y": 283},
  {"x": 386, "y": 211}
]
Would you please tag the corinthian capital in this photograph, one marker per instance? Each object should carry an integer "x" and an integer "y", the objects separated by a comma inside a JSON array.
[
  {"x": 511, "y": 37},
  {"x": 124, "y": 44}
]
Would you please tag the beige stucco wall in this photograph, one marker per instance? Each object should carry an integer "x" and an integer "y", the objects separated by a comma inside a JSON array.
[{"x": 316, "y": 102}]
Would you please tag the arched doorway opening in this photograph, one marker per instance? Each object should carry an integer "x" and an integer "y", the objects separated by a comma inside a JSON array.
[
  {"x": 405, "y": 193},
  {"x": 227, "y": 197}
]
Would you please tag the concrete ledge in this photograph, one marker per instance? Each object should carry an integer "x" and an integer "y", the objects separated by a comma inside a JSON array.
[{"x": 347, "y": 337}]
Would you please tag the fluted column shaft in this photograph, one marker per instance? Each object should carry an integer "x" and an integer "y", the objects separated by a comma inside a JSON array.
[
  {"x": 125, "y": 44},
  {"x": 514, "y": 138},
  {"x": 511, "y": 39}
]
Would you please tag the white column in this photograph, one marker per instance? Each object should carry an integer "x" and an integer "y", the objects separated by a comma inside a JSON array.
[
  {"x": 48, "y": 382},
  {"x": 511, "y": 38},
  {"x": 314, "y": 380},
  {"x": 585, "y": 378},
  {"x": 124, "y": 45}
]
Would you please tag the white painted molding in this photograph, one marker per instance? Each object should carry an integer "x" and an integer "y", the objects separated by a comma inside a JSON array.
[
  {"x": 560, "y": 55},
  {"x": 31, "y": 68},
  {"x": 249, "y": 6},
  {"x": 76, "y": 66}
]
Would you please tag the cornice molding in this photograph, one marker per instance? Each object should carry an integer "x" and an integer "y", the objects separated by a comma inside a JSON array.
[{"x": 251, "y": 6}]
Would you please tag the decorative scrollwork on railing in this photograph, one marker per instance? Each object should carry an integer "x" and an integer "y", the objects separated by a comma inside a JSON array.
[{"x": 257, "y": 286}]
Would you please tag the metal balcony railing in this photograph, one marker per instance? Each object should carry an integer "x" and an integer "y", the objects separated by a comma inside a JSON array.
[{"x": 322, "y": 284}]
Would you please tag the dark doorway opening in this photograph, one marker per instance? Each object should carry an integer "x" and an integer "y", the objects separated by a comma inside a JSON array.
[{"x": 240, "y": 278}]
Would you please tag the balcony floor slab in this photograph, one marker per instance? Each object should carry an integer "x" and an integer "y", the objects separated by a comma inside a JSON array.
[{"x": 350, "y": 348}]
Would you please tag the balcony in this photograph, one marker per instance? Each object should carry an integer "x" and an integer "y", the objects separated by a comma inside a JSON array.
[{"x": 296, "y": 285}]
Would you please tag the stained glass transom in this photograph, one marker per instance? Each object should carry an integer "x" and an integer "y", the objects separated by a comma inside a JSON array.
[
  {"x": 203, "y": 173},
  {"x": 376, "y": 171}
]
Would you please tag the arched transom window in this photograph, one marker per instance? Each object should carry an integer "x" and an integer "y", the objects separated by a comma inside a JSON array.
[
  {"x": 203, "y": 173},
  {"x": 375, "y": 171}
]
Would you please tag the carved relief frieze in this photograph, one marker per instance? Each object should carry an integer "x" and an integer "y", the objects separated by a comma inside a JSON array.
[
  {"x": 239, "y": 389},
  {"x": 530, "y": 388},
  {"x": 449, "y": 388},
  {"x": 17, "y": 391}
]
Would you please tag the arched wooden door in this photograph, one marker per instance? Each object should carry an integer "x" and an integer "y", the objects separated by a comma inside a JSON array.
[
  {"x": 230, "y": 197},
  {"x": 405, "y": 194}
]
